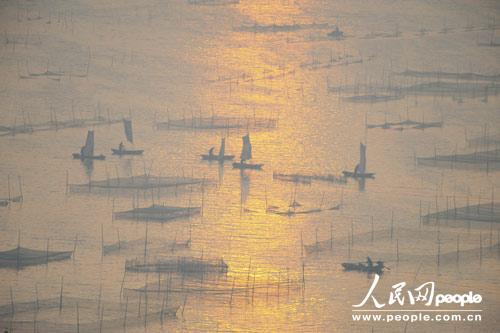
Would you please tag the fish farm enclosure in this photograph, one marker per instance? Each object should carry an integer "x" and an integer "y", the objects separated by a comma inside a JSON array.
[{"x": 249, "y": 166}]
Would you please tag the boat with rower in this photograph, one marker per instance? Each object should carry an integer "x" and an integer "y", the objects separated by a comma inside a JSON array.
[
  {"x": 87, "y": 151},
  {"x": 246, "y": 155},
  {"x": 367, "y": 267},
  {"x": 220, "y": 157},
  {"x": 360, "y": 169},
  {"x": 127, "y": 126}
]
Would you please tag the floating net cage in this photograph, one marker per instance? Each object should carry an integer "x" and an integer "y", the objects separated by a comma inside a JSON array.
[
  {"x": 158, "y": 213},
  {"x": 406, "y": 124},
  {"x": 373, "y": 98},
  {"x": 308, "y": 179},
  {"x": 489, "y": 159},
  {"x": 182, "y": 265},
  {"x": 152, "y": 246},
  {"x": 219, "y": 123},
  {"x": 487, "y": 212},
  {"x": 431, "y": 247},
  {"x": 213, "y": 2},
  {"x": 485, "y": 141},
  {"x": 224, "y": 288},
  {"x": 451, "y": 75},
  {"x": 54, "y": 125},
  {"x": 456, "y": 86},
  {"x": 21, "y": 257},
  {"x": 143, "y": 183},
  {"x": 266, "y": 28},
  {"x": 72, "y": 314}
]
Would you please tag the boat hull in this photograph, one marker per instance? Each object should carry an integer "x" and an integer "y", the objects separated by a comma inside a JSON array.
[
  {"x": 96, "y": 157},
  {"x": 358, "y": 175},
  {"x": 127, "y": 152},
  {"x": 206, "y": 157},
  {"x": 244, "y": 166},
  {"x": 362, "y": 267}
]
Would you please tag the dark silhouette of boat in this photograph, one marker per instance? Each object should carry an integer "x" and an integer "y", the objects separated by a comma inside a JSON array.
[
  {"x": 87, "y": 151},
  {"x": 220, "y": 157},
  {"x": 77, "y": 156},
  {"x": 360, "y": 169},
  {"x": 124, "y": 151},
  {"x": 127, "y": 126},
  {"x": 246, "y": 154},
  {"x": 336, "y": 34},
  {"x": 367, "y": 267},
  {"x": 243, "y": 165}
]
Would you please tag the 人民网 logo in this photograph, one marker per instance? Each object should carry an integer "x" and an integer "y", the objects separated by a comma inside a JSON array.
[{"x": 423, "y": 293}]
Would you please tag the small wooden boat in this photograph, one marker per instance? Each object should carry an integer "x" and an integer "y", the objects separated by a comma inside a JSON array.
[
  {"x": 367, "y": 267},
  {"x": 360, "y": 169},
  {"x": 129, "y": 134},
  {"x": 77, "y": 156},
  {"x": 124, "y": 151},
  {"x": 336, "y": 34},
  {"x": 87, "y": 151},
  {"x": 244, "y": 166},
  {"x": 246, "y": 154},
  {"x": 358, "y": 175},
  {"x": 208, "y": 157},
  {"x": 220, "y": 157}
]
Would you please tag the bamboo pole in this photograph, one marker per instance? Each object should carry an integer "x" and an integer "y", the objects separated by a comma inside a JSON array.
[
  {"x": 232, "y": 292},
  {"x": 123, "y": 282},
  {"x": 74, "y": 246},
  {"x": 102, "y": 242},
  {"x": 101, "y": 319},
  {"x": 77, "y": 318},
  {"x": 279, "y": 281},
  {"x": 99, "y": 299},
  {"x": 480, "y": 248},
  {"x": 37, "y": 300},
  {"x": 373, "y": 230},
  {"x": 392, "y": 225},
  {"x": 288, "y": 281},
  {"x": 397, "y": 250},
  {"x": 20, "y": 182},
  {"x": 301, "y": 245},
  {"x": 12, "y": 307},
  {"x": 67, "y": 182},
  {"x": 352, "y": 233},
  {"x": 184, "y": 305},
  {"x": 61, "y": 295},
  {"x": 439, "y": 254},
  {"x": 253, "y": 288},
  {"x": 267, "y": 288},
  {"x": 8, "y": 188},
  {"x": 303, "y": 275},
  {"x": 348, "y": 247},
  {"x": 331, "y": 236}
]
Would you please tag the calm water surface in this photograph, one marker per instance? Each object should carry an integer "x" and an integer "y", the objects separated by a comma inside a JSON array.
[{"x": 156, "y": 60}]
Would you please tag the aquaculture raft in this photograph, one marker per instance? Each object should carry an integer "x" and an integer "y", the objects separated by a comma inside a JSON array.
[
  {"x": 158, "y": 213},
  {"x": 182, "y": 265},
  {"x": 21, "y": 257}
]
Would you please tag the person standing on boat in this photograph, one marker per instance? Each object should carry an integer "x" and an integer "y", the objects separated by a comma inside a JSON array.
[
  {"x": 379, "y": 268},
  {"x": 211, "y": 152},
  {"x": 370, "y": 264},
  {"x": 120, "y": 146},
  {"x": 356, "y": 170}
]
